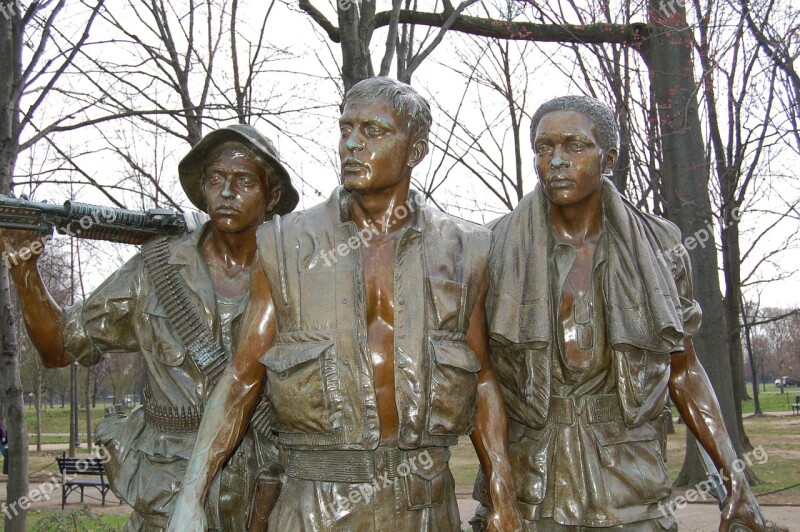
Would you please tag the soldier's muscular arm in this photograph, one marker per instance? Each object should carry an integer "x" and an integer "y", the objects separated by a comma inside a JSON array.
[
  {"x": 44, "y": 319},
  {"x": 229, "y": 409},
  {"x": 490, "y": 437},
  {"x": 694, "y": 398}
]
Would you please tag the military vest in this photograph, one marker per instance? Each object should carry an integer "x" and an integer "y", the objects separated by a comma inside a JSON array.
[{"x": 319, "y": 372}]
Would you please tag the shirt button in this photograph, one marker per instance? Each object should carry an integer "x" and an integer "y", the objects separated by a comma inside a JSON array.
[
  {"x": 346, "y": 362},
  {"x": 402, "y": 364},
  {"x": 401, "y": 300},
  {"x": 344, "y": 300}
]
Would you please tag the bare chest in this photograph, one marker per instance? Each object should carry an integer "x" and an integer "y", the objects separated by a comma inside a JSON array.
[
  {"x": 577, "y": 306},
  {"x": 379, "y": 280}
]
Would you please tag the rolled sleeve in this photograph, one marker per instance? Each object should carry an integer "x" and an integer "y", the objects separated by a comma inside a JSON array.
[
  {"x": 104, "y": 322},
  {"x": 690, "y": 309}
]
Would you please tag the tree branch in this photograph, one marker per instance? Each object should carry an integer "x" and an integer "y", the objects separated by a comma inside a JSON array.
[
  {"x": 321, "y": 20},
  {"x": 522, "y": 31}
]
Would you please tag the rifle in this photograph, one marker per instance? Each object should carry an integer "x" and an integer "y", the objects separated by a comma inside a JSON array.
[{"x": 96, "y": 222}]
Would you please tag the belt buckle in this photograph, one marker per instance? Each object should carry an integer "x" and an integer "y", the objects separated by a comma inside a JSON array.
[
  {"x": 575, "y": 410},
  {"x": 387, "y": 461}
]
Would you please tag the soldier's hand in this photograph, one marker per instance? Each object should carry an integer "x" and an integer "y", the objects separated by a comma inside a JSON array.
[
  {"x": 21, "y": 246},
  {"x": 741, "y": 512},
  {"x": 187, "y": 516}
]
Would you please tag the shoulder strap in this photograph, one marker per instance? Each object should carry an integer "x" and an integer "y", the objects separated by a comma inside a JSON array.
[{"x": 173, "y": 294}]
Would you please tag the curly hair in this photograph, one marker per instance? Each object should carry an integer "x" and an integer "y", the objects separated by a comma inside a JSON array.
[{"x": 603, "y": 117}]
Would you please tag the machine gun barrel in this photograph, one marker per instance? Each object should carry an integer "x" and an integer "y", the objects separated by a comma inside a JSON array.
[{"x": 95, "y": 222}]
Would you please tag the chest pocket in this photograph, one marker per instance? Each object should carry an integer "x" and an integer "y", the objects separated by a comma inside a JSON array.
[
  {"x": 164, "y": 344},
  {"x": 297, "y": 386},
  {"x": 453, "y": 385}
]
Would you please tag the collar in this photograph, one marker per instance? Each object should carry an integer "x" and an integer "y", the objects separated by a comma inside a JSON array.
[
  {"x": 339, "y": 206},
  {"x": 186, "y": 249}
]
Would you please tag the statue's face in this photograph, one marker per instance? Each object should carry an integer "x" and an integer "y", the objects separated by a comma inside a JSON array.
[
  {"x": 569, "y": 161},
  {"x": 235, "y": 189},
  {"x": 374, "y": 146}
]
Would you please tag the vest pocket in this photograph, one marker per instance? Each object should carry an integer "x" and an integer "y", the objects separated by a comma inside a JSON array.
[
  {"x": 425, "y": 481},
  {"x": 633, "y": 470},
  {"x": 296, "y": 384},
  {"x": 529, "y": 454},
  {"x": 453, "y": 387}
]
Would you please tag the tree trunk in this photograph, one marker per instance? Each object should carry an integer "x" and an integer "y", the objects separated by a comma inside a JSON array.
[
  {"x": 668, "y": 54},
  {"x": 87, "y": 391},
  {"x": 13, "y": 412},
  {"x": 38, "y": 399},
  {"x": 74, "y": 438},
  {"x": 11, "y": 397},
  {"x": 731, "y": 256},
  {"x": 356, "y": 22},
  {"x": 753, "y": 365}
]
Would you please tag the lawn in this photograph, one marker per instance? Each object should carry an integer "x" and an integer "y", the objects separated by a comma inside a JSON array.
[
  {"x": 56, "y": 421},
  {"x": 771, "y": 400},
  {"x": 72, "y": 521}
]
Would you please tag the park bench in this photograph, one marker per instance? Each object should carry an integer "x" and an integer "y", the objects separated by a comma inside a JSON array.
[
  {"x": 75, "y": 473},
  {"x": 796, "y": 405}
]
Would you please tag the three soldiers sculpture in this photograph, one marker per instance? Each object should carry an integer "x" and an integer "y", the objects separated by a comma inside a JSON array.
[{"x": 379, "y": 330}]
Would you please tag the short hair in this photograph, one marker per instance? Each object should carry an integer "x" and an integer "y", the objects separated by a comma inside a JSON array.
[
  {"x": 599, "y": 113},
  {"x": 413, "y": 108},
  {"x": 272, "y": 181}
]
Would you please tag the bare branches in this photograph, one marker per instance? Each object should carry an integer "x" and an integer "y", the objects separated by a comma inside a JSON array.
[
  {"x": 521, "y": 31},
  {"x": 423, "y": 54},
  {"x": 329, "y": 28}
]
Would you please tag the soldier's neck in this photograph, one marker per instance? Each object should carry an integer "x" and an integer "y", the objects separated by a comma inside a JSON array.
[
  {"x": 578, "y": 223},
  {"x": 231, "y": 251},
  {"x": 382, "y": 212}
]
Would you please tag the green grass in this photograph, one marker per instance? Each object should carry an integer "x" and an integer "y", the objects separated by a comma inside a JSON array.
[
  {"x": 56, "y": 420},
  {"x": 771, "y": 400},
  {"x": 72, "y": 521}
]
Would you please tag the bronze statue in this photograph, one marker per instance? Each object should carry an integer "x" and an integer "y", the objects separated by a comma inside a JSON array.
[
  {"x": 235, "y": 175},
  {"x": 591, "y": 321},
  {"x": 367, "y": 319}
]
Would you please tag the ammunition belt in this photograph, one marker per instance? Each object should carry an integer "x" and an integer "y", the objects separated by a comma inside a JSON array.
[
  {"x": 169, "y": 418},
  {"x": 206, "y": 351}
]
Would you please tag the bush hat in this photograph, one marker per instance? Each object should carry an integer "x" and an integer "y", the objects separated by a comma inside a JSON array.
[{"x": 191, "y": 167}]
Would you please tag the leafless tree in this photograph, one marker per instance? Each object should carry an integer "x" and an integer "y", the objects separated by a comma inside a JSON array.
[{"x": 32, "y": 62}]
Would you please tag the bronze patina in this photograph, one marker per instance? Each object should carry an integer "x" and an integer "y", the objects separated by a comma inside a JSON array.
[
  {"x": 591, "y": 318},
  {"x": 366, "y": 321},
  {"x": 234, "y": 174}
]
